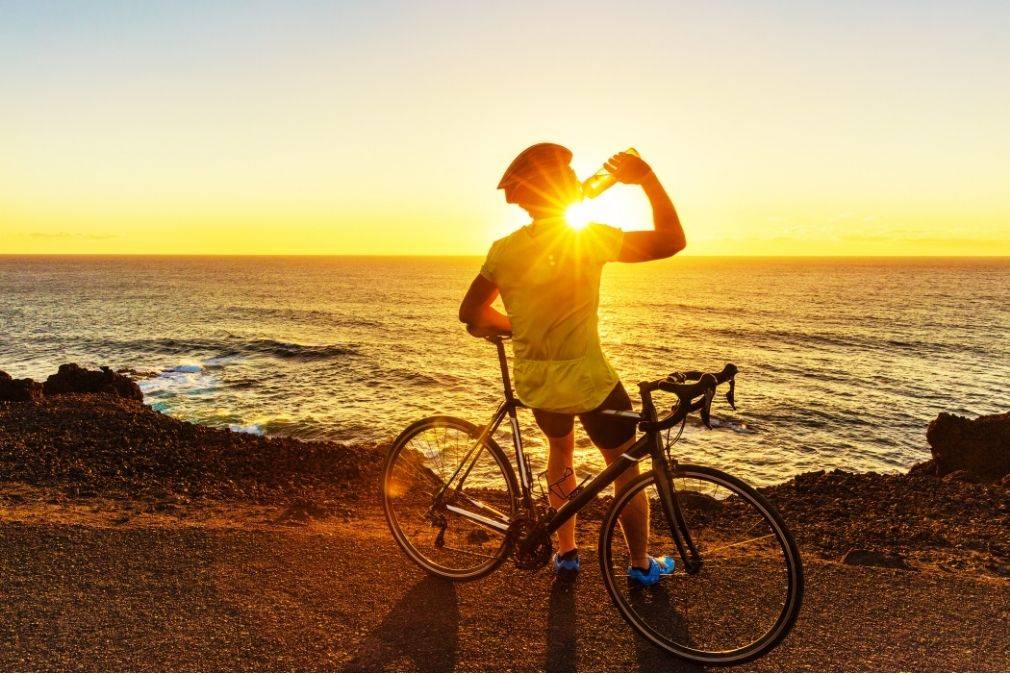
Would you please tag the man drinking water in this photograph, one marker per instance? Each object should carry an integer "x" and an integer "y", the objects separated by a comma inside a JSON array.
[{"x": 548, "y": 276}]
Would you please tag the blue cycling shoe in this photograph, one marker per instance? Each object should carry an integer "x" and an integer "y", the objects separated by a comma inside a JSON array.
[
  {"x": 657, "y": 570},
  {"x": 568, "y": 564}
]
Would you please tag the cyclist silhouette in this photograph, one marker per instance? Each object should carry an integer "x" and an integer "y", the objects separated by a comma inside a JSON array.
[{"x": 548, "y": 276}]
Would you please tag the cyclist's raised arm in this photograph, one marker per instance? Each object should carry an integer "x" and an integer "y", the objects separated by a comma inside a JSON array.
[
  {"x": 476, "y": 310},
  {"x": 667, "y": 236}
]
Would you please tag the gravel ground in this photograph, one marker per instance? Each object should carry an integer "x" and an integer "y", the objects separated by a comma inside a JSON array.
[
  {"x": 133, "y": 541},
  {"x": 79, "y": 447},
  {"x": 238, "y": 592}
]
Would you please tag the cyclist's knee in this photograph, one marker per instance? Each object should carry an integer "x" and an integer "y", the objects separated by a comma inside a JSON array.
[
  {"x": 611, "y": 454},
  {"x": 562, "y": 447}
]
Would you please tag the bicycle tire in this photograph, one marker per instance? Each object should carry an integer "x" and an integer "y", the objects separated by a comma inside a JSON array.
[
  {"x": 794, "y": 565},
  {"x": 403, "y": 539}
]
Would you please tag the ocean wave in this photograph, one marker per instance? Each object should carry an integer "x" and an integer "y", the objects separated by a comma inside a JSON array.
[
  {"x": 294, "y": 350},
  {"x": 184, "y": 379},
  {"x": 314, "y": 316},
  {"x": 254, "y": 429},
  {"x": 809, "y": 338},
  {"x": 735, "y": 426},
  {"x": 222, "y": 351},
  {"x": 186, "y": 368}
]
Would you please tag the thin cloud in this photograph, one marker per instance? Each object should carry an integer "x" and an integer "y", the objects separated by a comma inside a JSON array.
[{"x": 67, "y": 235}]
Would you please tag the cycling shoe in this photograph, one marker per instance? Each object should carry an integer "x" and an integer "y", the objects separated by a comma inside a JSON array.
[
  {"x": 567, "y": 566},
  {"x": 657, "y": 570}
]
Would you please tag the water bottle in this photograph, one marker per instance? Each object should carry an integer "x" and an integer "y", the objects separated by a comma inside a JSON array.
[{"x": 601, "y": 180}]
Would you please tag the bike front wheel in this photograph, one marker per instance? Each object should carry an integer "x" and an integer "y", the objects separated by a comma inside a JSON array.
[
  {"x": 744, "y": 596},
  {"x": 442, "y": 528}
]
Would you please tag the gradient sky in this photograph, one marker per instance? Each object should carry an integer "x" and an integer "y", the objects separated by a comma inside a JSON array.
[{"x": 791, "y": 128}]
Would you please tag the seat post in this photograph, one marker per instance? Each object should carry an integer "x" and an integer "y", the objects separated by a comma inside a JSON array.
[{"x": 504, "y": 364}]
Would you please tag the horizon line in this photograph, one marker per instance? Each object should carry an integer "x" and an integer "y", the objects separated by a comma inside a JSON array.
[{"x": 480, "y": 255}]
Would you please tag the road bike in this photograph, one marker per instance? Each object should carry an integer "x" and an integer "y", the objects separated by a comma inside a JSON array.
[{"x": 457, "y": 507}]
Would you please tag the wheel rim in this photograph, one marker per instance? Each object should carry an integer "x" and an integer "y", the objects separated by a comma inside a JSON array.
[
  {"x": 419, "y": 465},
  {"x": 739, "y": 603}
]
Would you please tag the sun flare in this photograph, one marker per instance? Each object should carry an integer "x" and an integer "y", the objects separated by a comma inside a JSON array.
[
  {"x": 620, "y": 207},
  {"x": 579, "y": 214}
]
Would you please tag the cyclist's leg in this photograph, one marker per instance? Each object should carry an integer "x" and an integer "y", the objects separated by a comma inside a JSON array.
[
  {"x": 614, "y": 437},
  {"x": 559, "y": 430},
  {"x": 635, "y": 516}
]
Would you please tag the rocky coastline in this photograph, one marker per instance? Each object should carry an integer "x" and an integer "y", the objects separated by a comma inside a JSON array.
[{"x": 86, "y": 435}]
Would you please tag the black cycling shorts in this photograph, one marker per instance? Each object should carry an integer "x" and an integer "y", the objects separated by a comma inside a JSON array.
[{"x": 605, "y": 432}]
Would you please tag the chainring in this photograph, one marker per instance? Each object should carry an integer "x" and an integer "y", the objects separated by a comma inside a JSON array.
[{"x": 531, "y": 544}]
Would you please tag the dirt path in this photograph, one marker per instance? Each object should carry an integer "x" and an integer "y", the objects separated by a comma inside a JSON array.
[{"x": 238, "y": 593}]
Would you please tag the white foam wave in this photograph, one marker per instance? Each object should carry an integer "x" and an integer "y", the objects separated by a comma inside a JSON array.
[
  {"x": 187, "y": 378},
  {"x": 254, "y": 429}
]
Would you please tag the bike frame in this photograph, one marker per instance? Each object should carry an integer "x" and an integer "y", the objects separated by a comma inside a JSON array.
[{"x": 648, "y": 445}]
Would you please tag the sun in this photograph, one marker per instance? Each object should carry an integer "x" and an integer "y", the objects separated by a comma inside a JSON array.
[{"x": 578, "y": 215}]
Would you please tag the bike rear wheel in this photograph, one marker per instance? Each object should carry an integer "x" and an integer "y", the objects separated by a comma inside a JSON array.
[
  {"x": 746, "y": 594},
  {"x": 420, "y": 462}
]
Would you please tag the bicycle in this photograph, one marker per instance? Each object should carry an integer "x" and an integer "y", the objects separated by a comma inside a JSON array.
[{"x": 738, "y": 582}]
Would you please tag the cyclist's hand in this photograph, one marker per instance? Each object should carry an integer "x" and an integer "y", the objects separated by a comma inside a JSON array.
[
  {"x": 628, "y": 168},
  {"x": 477, "y": 331},
  {"x": 487, "y": 331}
]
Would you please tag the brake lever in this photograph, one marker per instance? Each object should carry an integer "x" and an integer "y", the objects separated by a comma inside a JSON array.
[
  {"x": 731, "y": 394},
  {"x": 706, "y": 408}
]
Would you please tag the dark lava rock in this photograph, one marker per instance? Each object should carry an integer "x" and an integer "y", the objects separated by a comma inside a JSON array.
[
  {"x": 980, "y": 446},
  {"x": 927, "y": 468},
  {"x": 107, "y": 446},
  {"x": 19, "y": 390},
  {"x": 962, "y": 475},
  {"x": 838, "y": 511},
  {"x": 868, "y": 558},
  {"x": 1002, "y": 568},
  {"x": 698, "y": 502},
  {"x": 72, "y": 379},
  {"x": 301, "y": 513}
]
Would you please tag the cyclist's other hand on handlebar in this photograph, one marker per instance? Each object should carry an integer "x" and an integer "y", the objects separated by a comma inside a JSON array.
[{"x": 628, "y": 168}]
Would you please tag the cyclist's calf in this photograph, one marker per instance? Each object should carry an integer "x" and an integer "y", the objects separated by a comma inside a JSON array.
[
  {"x": 561, "y": 483},
  {"x": 635, "y": 517}
]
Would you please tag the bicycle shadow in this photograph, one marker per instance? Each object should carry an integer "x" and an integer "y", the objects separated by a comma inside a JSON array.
[
  {"x": 562, "y": 644},
  {"x": 429, "y": 614},
  {"x": 657, "y": 608}
]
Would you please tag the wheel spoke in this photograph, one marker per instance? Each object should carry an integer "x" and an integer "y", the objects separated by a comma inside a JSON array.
[
  {"x": 443, "y": 542},
  {"x": 739, "y": 543},
  {"x": 743, "y": 597}
]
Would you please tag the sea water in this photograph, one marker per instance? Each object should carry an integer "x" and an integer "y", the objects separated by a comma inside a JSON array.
[{"x": 842, "y": 362}]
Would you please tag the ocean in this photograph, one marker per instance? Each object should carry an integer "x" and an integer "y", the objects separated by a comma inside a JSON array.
[{"x": 843, "y": 362}]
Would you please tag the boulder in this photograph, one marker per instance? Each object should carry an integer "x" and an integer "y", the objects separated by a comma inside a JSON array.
[
  {"x": 72, "y": 379},
  {"x": 927, "y": 468},
  {"x": 868, "y": 558},
  {"x": 19, "y": 390},
  {"x": 980, "y": 446}
]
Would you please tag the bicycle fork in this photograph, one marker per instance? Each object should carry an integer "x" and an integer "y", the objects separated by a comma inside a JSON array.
[
  {"x": 664, "y": 470},
  {"x": 674, "y": 514}
]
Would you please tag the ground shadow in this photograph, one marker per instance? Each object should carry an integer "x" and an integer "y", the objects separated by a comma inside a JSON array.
[
  {"x": 657, "y": 608},
  {"x": 420, "y": 632},
  {"x": 562, "y": 645}
]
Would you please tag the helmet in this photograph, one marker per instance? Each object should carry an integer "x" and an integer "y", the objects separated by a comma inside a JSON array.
[{"x": 533, "y": 159}]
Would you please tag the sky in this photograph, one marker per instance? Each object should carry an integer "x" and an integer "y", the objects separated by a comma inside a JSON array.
[{"x": 779, "y": 128}]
